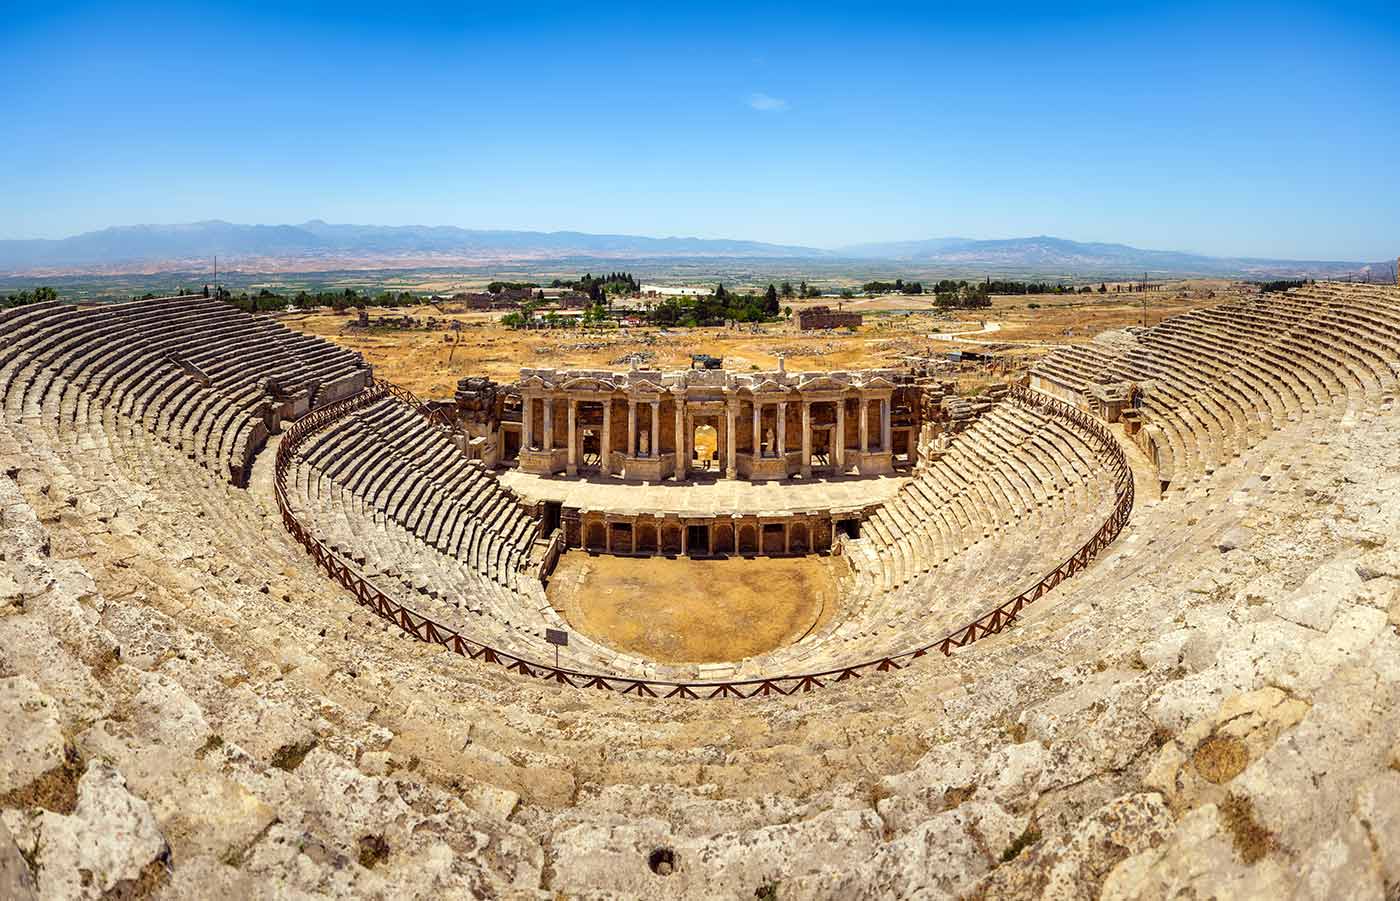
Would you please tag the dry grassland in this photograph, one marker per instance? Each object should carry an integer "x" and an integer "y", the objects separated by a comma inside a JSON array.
[{"x": 427, "y": 362}]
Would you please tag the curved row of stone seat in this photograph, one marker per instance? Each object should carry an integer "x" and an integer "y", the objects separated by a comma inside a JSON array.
[
  {"x": 401, "y": 465},
  {"x": 196, "y": 371},
  {"x": 1215, "y": 381},
  {"x": 1014, "y": 461},
  {"x": 436, "y": 585}
]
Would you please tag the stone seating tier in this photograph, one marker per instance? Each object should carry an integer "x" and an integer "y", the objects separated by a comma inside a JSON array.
[
  {"x": 1218, "y": 380},
  {"x": 58, "y": 357}
]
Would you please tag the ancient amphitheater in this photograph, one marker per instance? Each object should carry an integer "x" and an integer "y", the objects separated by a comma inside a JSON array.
[{"x": 270, "y": 626}]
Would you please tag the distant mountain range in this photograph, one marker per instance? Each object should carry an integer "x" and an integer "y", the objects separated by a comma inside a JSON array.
[{"x": 318, "y": 245}]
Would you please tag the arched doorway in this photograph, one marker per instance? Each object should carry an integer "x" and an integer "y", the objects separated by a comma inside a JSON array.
[{"x": 705, "y": 442}]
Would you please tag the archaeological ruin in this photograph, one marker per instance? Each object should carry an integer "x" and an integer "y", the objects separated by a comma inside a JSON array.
[{"x": 1128, "y": 627}]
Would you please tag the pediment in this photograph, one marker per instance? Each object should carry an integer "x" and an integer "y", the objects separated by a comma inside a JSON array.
[
  {"x": 588, "y": 384},
  {"x": 535, "y": 381},
  {"x": 768, "y": 386},
  {"x": 822, "y": 383},
  {"x": 878, "y": 381}
]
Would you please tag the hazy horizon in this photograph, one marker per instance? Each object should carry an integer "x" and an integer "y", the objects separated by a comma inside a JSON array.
[
  {"x": 1228, "y": 130},
  {"x": 681, "y": 236}
]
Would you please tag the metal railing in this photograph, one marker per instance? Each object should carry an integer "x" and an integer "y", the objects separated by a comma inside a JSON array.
[{"x": 424, "y": 629}]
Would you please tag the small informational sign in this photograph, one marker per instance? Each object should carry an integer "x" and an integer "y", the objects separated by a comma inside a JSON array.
[{"x": 558, "y": 638}]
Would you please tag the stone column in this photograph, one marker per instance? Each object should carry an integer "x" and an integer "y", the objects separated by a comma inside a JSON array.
[
  {"x": 841, "y": 434},
  {"x": 682, "y": 458},
  {"x": 607, "y": 437},
  {"x": 886, "y": 440},
  {"x": 655, "y": 439},
  {"x": 631, "y": 427},
  {"x": 806, "y": 439},
  {"x": 782, "y": 430},
  {"x": 757, "y": 430},
  {"x": 548, "y": 422},
  {"x": 573, "y": 438},
  {"x": 527, "y": 423},
  {"x": 864, "y": 425},
  {"x": 731, "y": 411}
]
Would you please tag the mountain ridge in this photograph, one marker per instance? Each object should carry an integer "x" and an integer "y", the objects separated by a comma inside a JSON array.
[{"x": 317, "y": 244}]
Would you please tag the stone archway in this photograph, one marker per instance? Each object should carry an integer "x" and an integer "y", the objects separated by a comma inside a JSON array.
[
  {"x": 797, "y": 538},
  {"x": 705, "y": 444},
  {"x": 671, "y": 538}
]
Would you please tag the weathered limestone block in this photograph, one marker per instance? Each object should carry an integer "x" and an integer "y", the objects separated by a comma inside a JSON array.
[
  {"x": 614, "y": 859},
  {"x": 16, "y": 882},
  {"x": 28, "y": 646},
  {"x": 33, "y": 745},
  {"x": 1074, "y": 865},
  {"x": 417, "y": 840},
  {"x": 1336, "y": 747},
  {"x": 110, "y": 842},
  {"x": 1197, "y": 765},
  {"x": 1342, "y": 866},
  {"x": 1377, "y": 808},
  {"x": 939, "y": 858},
  {"x": 1198, "y": 859},
  {"x": 1315, "y": 602}
]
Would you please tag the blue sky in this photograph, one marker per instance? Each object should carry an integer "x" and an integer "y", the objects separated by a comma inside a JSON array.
[{"x": 1250, "y": 129}]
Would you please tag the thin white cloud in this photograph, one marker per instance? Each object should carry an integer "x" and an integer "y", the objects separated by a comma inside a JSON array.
[{"x": 767, "y": 104}]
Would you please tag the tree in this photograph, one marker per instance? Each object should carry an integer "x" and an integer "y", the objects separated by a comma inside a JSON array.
[
  {"x": 786, "y": 289},
  {"x": 1103, "y": 289},
  {"x": 787, "y": 312},
  {"x": 720, "y": 294},
  {"x": 770, "y": 301}
]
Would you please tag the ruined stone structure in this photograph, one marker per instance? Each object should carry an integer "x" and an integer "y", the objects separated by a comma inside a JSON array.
[
  {"x": 823, "y": 317},
  {"x": 767, "y": 425},
  {"x": 319, "y": 668}
]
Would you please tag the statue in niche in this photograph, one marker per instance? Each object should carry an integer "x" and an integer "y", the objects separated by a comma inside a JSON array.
[
  {"x": 770, "y": 443},
  {"x": 643, "y": 444}
]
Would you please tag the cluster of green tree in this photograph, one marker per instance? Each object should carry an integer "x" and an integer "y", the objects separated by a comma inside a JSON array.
[
  {"x": 804, "y": 291},
  {"x": 599, "y": 287},
  {"x": 265, "y": 301},
  {"x": 718, "y": 308},
  {"x": 898, "y": 286},
  {"x": 1277, "y": 287},
  {"x": 498, "y": 287},
  {"x": 948, "y": 295},
  {"x": 526, "y": 318},
  {"x": 38, "y": 295},
  {"x": 1004, "y": 287},
  {"x": 961, "y": 294}
]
